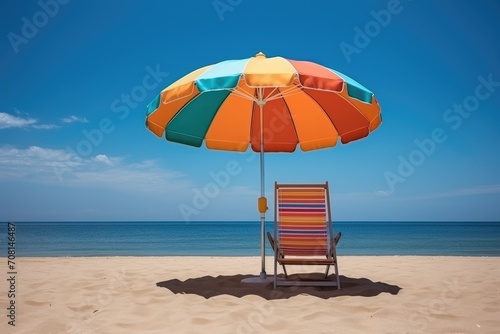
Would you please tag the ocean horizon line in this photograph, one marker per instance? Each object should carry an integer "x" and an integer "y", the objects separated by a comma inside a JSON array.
[
  {"x": 243, "y": 238},
  {"x": 244, "y": 221}
]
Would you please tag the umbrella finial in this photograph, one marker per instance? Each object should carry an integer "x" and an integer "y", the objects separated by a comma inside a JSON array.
[{"x": 260, "y": 55}]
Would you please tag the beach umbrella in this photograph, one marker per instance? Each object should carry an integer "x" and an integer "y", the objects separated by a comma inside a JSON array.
[{"x": 268, "y": 104}]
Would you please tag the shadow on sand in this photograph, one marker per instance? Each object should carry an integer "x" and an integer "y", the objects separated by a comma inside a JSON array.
[{"x": 209, "y": 286}]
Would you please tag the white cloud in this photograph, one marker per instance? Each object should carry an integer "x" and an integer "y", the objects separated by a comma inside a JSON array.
[
  {"x": 104, "y": 159},
  {"x": 35, "y": 156},
  {"x": 59, "y": 167},
  {"x": 34, "y": 162},
  {"x": 73, "y": 119},
  {"x": 11, "y": 121},
  {"x": 383, "y": 193},
  {"x": 45, "y": 126}
]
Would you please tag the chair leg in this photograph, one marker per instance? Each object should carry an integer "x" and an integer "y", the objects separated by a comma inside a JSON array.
[
  {"x": 275, "y": 274},
  {"x": 327, "y": 270},
  {"x": 275, "y": 266},
  {"x": 337, "y": 274},
  {"x": 284, "y": 270}
]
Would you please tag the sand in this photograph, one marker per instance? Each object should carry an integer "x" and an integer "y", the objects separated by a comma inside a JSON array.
[{"x": 380, "y": 294}]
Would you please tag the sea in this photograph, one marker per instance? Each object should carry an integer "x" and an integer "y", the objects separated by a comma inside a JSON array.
[{"x": 233, "y": 238}]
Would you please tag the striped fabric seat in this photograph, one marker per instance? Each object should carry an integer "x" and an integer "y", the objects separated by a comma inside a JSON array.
[
  {"x": 303, "y": 232},
  {"x": 302, "y": 221}
]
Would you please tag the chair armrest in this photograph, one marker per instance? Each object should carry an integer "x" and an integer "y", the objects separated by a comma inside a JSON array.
[
  {"x": 271, "y": 240},
  {"x": 337, "y": 238}
]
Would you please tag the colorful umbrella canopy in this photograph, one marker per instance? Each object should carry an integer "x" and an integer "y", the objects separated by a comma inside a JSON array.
[
  {"x": 270, "y": 104},
  {"x": 303, "y": 104}
]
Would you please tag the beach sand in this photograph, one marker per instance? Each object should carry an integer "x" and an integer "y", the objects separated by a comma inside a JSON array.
[{"x": 380, "y": 294}]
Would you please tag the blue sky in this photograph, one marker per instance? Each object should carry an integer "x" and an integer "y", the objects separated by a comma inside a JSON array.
[{"x": 76, "y": 77}]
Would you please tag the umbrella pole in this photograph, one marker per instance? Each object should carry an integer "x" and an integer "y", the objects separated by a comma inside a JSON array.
[
  {"x": 262, "y": 224},
  {"x": 262, "y": 202}
]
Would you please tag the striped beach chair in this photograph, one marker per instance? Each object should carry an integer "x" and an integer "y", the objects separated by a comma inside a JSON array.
[{"x": 303, "y": 232}]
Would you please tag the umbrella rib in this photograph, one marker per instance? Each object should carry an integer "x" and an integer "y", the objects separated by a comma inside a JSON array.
[
  {"x": 273, "y": 95},
  {"x": 287, "y": 92},
  {"x": 270, "y": 95},
  {"x": 244, "y": 94}
]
